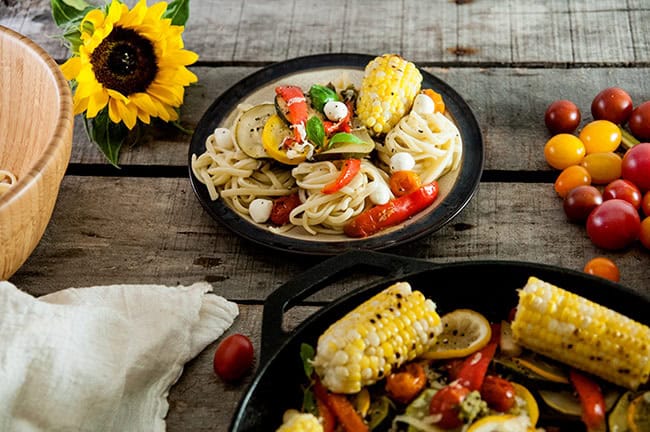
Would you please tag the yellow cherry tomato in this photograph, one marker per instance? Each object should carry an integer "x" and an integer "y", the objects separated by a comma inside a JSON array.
[
  {"x": 600, "y": 136},
  {"x": 273, "y": 137},
  {"x": 571, "y": 177},
  {"x": 603, "y": 267},
  {"x": 604, "y": 167},
  {"x": 564, "y": 150}
]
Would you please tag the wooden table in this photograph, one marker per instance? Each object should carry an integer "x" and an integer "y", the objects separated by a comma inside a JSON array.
[{"x": 508, "y": 59}]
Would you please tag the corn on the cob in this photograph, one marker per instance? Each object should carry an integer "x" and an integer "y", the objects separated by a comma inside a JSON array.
[
  {"x": 388, "y": 89},
  {"x": 389, "y": 329},
  {"x": 294, "y": 421},
  {"x": 583, "y": 334}
]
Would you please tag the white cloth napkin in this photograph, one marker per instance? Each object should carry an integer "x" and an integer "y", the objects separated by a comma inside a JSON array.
[{"x": 100, "y": 358}]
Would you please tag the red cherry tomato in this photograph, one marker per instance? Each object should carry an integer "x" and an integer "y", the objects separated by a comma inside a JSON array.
[
  {"x": 614, "y": 224},
  {"x": 580, "y": 201},
  {"x": 499, "y": 393},
  {"x": 645, "y": 203},
  {"x": 613, "y": 104},
  {"x": 571, "y": 177},
  {"x": 406, "y": 383},
  {"x": 636, "y": 165},
  {"x": 562, "y": 116},
  {"x": 639, "y": 122},
  {"x": 625, "y": 190},
  {"x": 446, "y": 403},
  {"x": 282, "y": 208},
  {"x": 233, "y": 357},
  {"x": 644, "y": 234},
  {"x": 603, "y": 267}
]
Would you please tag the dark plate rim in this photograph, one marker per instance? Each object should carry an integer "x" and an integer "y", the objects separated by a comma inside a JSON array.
[{"x": 459, "y": 196}]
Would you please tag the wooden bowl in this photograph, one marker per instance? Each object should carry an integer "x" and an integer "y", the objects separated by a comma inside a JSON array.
[{"x": 36, "y": 124}]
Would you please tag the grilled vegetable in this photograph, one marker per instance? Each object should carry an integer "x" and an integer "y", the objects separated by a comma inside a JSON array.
[
  {"x": 388, "y": 89},
  {"x": 291, "y": 106},
  {"x": 344, "y": 150},
  {"x": 349, "y": 170},
  {"x": 571, "y": 329},
  {"x": 391, "y": 328},
  {"x": 248, "y": 129},
  {"x": 293, "y": 421}
]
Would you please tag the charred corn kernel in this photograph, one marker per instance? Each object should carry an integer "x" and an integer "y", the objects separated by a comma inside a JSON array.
[
  {"x": 388, "y": 89},
  {"x": 391, "y": 328},
  {"x": 294, "y": 421},
  {"x": 583, "y": 334}
]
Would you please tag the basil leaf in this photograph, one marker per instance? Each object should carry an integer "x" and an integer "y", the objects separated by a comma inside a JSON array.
[
  {"x": 178, "y": 11},
  {"x": 309, "y": 404},
  {"x": 315, "y": 131},
  {"x": 307, "y": 354},
  {"x": 320, "y": 95},
  {"x": 344, "y": 137}
]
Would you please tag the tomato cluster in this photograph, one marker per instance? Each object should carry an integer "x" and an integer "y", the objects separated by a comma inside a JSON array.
[{"x": 603, "y": 184}]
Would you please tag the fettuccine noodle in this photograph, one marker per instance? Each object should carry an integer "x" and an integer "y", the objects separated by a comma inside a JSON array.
[{"x": 7, "y": 180}]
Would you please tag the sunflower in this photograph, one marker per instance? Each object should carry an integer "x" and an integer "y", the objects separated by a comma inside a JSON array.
[{"x": 131, "y": 61}]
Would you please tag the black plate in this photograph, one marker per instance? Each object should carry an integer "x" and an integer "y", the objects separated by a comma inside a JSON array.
[
  {"x": 456, "y": 188},
  {"x": 489, "y": 287}
]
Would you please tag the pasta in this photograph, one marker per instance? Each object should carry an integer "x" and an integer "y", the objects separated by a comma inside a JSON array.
[
  {"x": 7, "y": 180},
  {"x": 431, "y": 138}
]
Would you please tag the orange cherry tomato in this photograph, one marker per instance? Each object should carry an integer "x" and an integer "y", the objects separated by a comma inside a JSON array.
[
  {"x": 405, "y": 384},
  {"x": 438, "y": 103},
  {"x": 571, "y": 177},
  {"x": 404, "y": 182},
  {"x": 644, "y": 234},
  {"x": 564, "y": 150},
  {"x": 645, "y": 203},
  {"x": 604, "y": 167},
  {"x": 603, "y": 267},
  {"x": 600, "y": 136}
]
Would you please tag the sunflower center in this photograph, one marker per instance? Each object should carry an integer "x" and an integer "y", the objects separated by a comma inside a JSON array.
[{"x": 125, "y": 61}]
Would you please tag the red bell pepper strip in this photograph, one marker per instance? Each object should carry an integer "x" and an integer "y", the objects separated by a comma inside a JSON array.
[
  {"x": 342, "y": 125},
  {"x": 393, "y": 212},
  {"x": 349, "y": 170},
  {"x": 325, "y": 413},
  {"x": 471, "y": 372},
  {"x": 297, "y": 106},
  {"x": 591, "y": 400},
  {"x": 341, "y": 407}
]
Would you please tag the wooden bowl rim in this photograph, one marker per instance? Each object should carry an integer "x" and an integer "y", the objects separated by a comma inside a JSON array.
[{"x": 64, "y": 125}]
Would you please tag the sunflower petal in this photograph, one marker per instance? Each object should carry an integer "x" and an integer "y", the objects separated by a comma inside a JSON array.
[
  {"x": 155, "y": 12},
  {"x": 165, "y": 94},
  {"x": 113, "y": 111},
  {"x": 96, "y": 102},
  {"x": 80, "y": 104},
  {"x": 117, "y": 95},
  {"x": 71, "y": 68},
  {"x": 96, "y": 17},
  {"x": 135, "y": 15}
]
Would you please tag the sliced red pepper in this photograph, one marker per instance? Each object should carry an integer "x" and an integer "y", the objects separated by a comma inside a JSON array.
[
  {"x": 471, "y": 372},
  {"x": 591, "y": 400},
  {"x": 393, "y": 212},
  {"x": 341, "y": 407},
  {"x": 349, "y": 170},
  {"x": 297, "y": 106},
  {"x": 325, "y": 413},
  {"x": 342, "y": 125}
]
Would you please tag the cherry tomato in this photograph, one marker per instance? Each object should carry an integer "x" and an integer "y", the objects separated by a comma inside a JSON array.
[
  {"x": 571, "y": 177},
  {"x": 580, "y": 201},
  {"x": 282, "y": 207},
  {"x": 603, "y": 267},
  {"x": 446, "y": 403},
  {"x": 613, "y": 104},
  {"x": 233, "y": 357},
  {"x": 636, "y": 166},
  {"x": 625, "y": 190},
  {"x": 645, "y": 203},
  {"x": 604, "y": 167},
  {"x": 644, "y": 234},
  {"x": 404, "y": 182},
  {"x": 499, "y": 393},
  {"x": 564, "y": 150},
  {"x": 614, "y": 224},
  {"x": 600, "y": 136},
  {"x": 405, "y": 384},
  {"x": 562, "y": 116},
  {"x": 639, "y": 122}
]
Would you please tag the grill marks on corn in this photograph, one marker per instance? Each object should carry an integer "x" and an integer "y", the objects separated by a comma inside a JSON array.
[{"x": 391, "y": 328}]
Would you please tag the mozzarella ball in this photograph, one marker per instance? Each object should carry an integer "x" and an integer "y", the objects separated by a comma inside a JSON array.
[
  {"x": 335, "y": 111},
  {"x": 260, "y": 209},
  {"x": 223, "y": 138},
  {"x": 401, "y": 161},
  {"x": 381, "y": 194},
  {"x": 423, "y": 104}
]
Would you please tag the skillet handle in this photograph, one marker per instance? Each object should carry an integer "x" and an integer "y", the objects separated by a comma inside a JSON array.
[{"x": 319, "y": 277}]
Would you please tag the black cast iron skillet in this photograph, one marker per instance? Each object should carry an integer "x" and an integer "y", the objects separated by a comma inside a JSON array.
[{"x": 487, "y": 286}]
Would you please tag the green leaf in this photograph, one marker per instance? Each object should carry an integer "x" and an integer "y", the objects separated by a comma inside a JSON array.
[
  {"x": 315, "y": 131},
  {"x": 309, "y": 404},
  {"x": 344, "y": 137},
  {"x": 307, "y": 354},
  {"x": 320, "y": 95},
  {"x": 108, "y": 136},
  {"x": 65, "y": 12},
  {"x": 178, "y": 11}
]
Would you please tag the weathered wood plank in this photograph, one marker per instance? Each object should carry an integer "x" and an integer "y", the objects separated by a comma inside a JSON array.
[
  {"x": 147, "y": 230},
  {"x": 509, "y": 105},
  {"x": 504, "y": 32}
]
